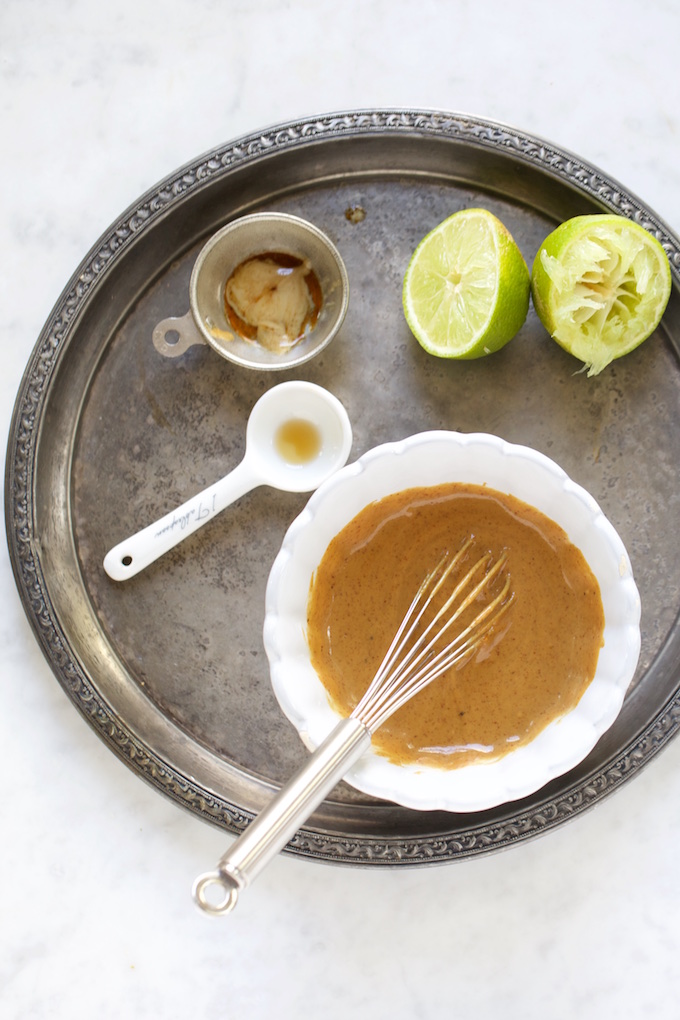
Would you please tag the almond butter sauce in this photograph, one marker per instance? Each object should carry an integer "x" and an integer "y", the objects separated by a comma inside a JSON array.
[{"x": 551, "y": 634}]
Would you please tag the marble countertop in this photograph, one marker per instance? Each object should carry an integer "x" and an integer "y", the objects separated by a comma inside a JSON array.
[{"x": 98, "y": 103}]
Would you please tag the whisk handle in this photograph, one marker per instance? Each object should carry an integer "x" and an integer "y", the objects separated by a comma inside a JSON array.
[{"x": 283, "y": 816}]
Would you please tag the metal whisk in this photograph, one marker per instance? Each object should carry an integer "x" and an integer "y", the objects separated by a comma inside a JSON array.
[{"x": 441, "y": 629}]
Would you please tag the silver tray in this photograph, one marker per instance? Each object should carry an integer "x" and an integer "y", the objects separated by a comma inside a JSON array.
[{"x": 107, "y": 435}]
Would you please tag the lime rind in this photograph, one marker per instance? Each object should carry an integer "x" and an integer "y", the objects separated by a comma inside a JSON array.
[
  {"x": 600, "y": 285},
  {"x": 466, "y": 289}
]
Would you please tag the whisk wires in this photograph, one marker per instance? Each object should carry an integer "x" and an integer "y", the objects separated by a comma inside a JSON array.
[{"x": 414, "y": 659}]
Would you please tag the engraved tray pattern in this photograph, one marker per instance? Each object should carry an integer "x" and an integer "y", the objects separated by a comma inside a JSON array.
[{"x": 149, "y": 251}]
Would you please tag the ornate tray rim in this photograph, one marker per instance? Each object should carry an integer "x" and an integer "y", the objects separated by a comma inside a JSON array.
[{"x": 20, "y": 493}]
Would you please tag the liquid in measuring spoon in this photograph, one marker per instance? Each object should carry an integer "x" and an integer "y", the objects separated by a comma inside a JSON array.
[{"x": 298, "y": 441}]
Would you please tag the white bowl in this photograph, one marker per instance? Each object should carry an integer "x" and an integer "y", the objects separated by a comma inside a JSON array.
[{"x": 431, "y": 458}]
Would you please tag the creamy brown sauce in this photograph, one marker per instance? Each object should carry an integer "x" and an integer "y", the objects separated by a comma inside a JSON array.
[
  {"x": 516, "y": 686},
  {"x": 273, "y": 299}
]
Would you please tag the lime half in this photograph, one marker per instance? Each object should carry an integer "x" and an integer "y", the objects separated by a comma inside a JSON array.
[
  {"x": 600, "y": 285},
  {"x": 466, "y": 289}
]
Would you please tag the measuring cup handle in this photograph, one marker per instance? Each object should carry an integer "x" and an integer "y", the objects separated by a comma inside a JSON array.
[
  {"x": 176, "y": 334},
  {"x": 146, "y": 546}
]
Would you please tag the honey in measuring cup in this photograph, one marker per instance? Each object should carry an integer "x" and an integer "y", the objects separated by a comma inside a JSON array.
[{"x": 273, "y": 299}]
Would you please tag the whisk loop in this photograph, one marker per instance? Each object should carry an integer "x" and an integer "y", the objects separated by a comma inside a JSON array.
[{"x": 442, "y": 628}]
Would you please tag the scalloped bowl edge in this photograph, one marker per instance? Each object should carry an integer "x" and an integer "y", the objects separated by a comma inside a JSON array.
[{"x": 429, "y": 458}]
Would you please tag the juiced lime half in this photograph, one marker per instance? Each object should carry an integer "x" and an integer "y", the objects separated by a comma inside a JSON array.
[
  {"x": 600, "y": 285},
  {"x": 466, "y": 289}
]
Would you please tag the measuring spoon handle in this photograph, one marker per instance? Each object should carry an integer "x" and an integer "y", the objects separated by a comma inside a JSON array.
[{"x": 139, "y": 550}]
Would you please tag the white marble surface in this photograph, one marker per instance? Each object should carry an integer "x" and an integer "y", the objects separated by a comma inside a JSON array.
[{"x": 98, "y": 102}]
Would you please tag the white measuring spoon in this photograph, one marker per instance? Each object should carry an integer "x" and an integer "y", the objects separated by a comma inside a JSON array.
[{"x": 265, "y": 463}]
